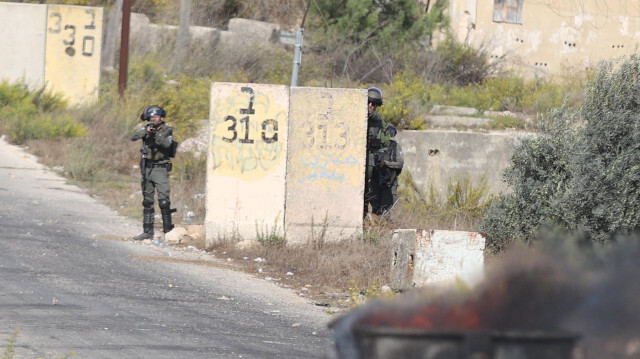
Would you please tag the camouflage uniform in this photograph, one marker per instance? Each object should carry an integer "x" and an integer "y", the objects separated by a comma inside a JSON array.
[
  {"x": 391, "y": 168},
  {"x": 375, "y": 142},
  {"x": 156, "y": 152}
]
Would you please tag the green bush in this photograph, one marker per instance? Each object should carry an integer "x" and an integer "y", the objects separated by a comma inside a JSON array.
[
  {"x": 28, "y": 115},
  {"x": 22, "y": 122},
  {"x": 460, "y": 64},
  {"x": 582, "y": 171},
  {"x": 406, "y": 97}
]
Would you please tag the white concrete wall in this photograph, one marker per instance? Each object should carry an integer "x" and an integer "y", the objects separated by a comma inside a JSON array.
[
  {"x": 326, "y": 162},
  {"x": 22, "y": 40},
  {"x": 423, "y": 257},
  {"x": 246, "y": 161}
]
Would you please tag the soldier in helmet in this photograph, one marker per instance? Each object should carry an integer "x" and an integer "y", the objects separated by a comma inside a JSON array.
[
  {"x": 378, "y": 138},
  {"x": 157, "y": 149}
]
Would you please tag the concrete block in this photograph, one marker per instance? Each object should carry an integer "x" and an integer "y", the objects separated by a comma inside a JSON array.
[
  {"x": 453, "y": 110},
  {"x": 259, "y": 31},
  {"x": 455, "y": 121},
  {"x": 435, "y": 158},
  {"x": 73, "y": 51},
  {"x": 421, "y": 257},
  {"x": 246, "y": 161},
  {"x": 326, "y": 164},
  {"x": 23, "y": 28},
  {"x": 500, "y": 113}
]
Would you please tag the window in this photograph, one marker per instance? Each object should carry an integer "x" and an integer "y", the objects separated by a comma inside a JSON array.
[{"x": 509, "y": 11}]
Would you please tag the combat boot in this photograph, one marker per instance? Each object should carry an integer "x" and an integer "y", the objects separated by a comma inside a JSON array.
[
  {"x": 166, "y": 210},
  {"x": 147, "y": 225}
]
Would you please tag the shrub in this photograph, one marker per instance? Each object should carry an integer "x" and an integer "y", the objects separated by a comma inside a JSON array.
[
  {"x": 22, "y": 121},
  {"x": 461, "y": 64},
  {"x": 406, "y": 97},
  {"x": 582, "y": 172}
]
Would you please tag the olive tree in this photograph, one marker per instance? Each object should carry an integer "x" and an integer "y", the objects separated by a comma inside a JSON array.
[{"x": 581, "y": 172}]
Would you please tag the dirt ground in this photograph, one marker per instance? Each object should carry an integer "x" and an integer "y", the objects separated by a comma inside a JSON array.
[{"x": 253, "y": 262}]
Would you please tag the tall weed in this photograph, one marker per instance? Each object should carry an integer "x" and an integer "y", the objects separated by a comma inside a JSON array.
[{"x": 460, "y": 208}]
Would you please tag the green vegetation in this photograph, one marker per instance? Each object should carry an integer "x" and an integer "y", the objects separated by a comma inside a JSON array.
[
  {"x": 582, "y": 171},
  {"x": 460, "y": 208},
  {"x": 270, "y": 234},
  {"x": 30, "y": 115}
]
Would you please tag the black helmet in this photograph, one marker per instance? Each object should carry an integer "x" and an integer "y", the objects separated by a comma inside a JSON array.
[
  {"x": 153, "y": 111},
  {"x": 375, "y": 96}
]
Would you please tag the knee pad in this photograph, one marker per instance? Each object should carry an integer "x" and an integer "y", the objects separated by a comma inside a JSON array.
[
  {"x": 147, "y": 204},
  {"x": 164, "y": 203}
]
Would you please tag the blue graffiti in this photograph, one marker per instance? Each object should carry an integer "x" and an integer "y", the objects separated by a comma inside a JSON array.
[
  {"x": 316, "y": 176},
  {"x": 318, "y": 163}
]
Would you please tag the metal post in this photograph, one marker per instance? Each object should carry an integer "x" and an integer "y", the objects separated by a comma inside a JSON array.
[
  {"x": 297, "y": 52},
  {"x": 182, "y": 45},
  {"x": 297, "y": 57}
]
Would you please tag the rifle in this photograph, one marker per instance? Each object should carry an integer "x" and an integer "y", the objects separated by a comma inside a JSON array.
[{"x": 143, "y": 163}]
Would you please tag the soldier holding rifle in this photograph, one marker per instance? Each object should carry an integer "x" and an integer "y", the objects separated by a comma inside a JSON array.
[{"x": 158, "y": 147}]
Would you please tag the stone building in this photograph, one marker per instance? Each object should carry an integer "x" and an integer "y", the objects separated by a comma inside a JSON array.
[{"x": 549, "y": 37}]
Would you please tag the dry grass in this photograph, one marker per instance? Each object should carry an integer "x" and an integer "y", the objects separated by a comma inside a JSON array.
[{"x": 328, "y": 275}]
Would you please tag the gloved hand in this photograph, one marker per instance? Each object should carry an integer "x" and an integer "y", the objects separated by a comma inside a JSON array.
[{"x": 381, "y": 163}]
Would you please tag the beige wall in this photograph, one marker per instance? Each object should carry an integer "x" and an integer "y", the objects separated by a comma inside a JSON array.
[
  {"x": 298, "y": 173},
  {"x": 326, "y": 162},
  {"x": 54, "y": 45},
  {"x": 555, "y": 38},
  {"x": 73, "y": 50},
  {"x": 246, "y": 161},
  {"x": 440, "y": 157}
]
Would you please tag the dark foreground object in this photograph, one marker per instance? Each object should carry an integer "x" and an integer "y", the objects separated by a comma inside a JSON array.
[{"x": 384, "y": 342}]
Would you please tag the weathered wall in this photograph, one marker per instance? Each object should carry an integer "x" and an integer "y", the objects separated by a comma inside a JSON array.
[
  {"x": 285, "y": 163},
  {"x": 325, "y": 166},
  {"x": 73, "y": 48},
  {"x": 147, "y": 36},
  {"x": 246, "y": 161},
  {"x": 559, "y": 37},
  {"x": 437, "y": 157},
  {"x": 421, "y": 257},
  {"x": 23, "y": 36},
  {"x": 54, "y": 45}
]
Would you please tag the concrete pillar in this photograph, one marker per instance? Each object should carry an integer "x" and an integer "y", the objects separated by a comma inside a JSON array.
[
  {"x": 246, "y": 161},
  {"x": 23, "y": 28},
  {"x": 326, "y": 164},
  {"x": 73, "y": 51},
  {"x": 421, "y": 257}
]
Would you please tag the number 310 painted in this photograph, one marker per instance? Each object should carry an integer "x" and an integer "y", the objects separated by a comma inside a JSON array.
[{"x": 245, "y": 120}]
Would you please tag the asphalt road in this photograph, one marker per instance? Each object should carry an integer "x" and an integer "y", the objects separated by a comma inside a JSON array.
[{"x": 71, "y": 284}]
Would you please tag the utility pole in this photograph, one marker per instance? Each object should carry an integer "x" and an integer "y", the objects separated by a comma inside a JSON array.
[
  {"x": 182, "y": 46},
  {"x": 297, "y": 52},
  {"x": 124, "y": 47}
]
